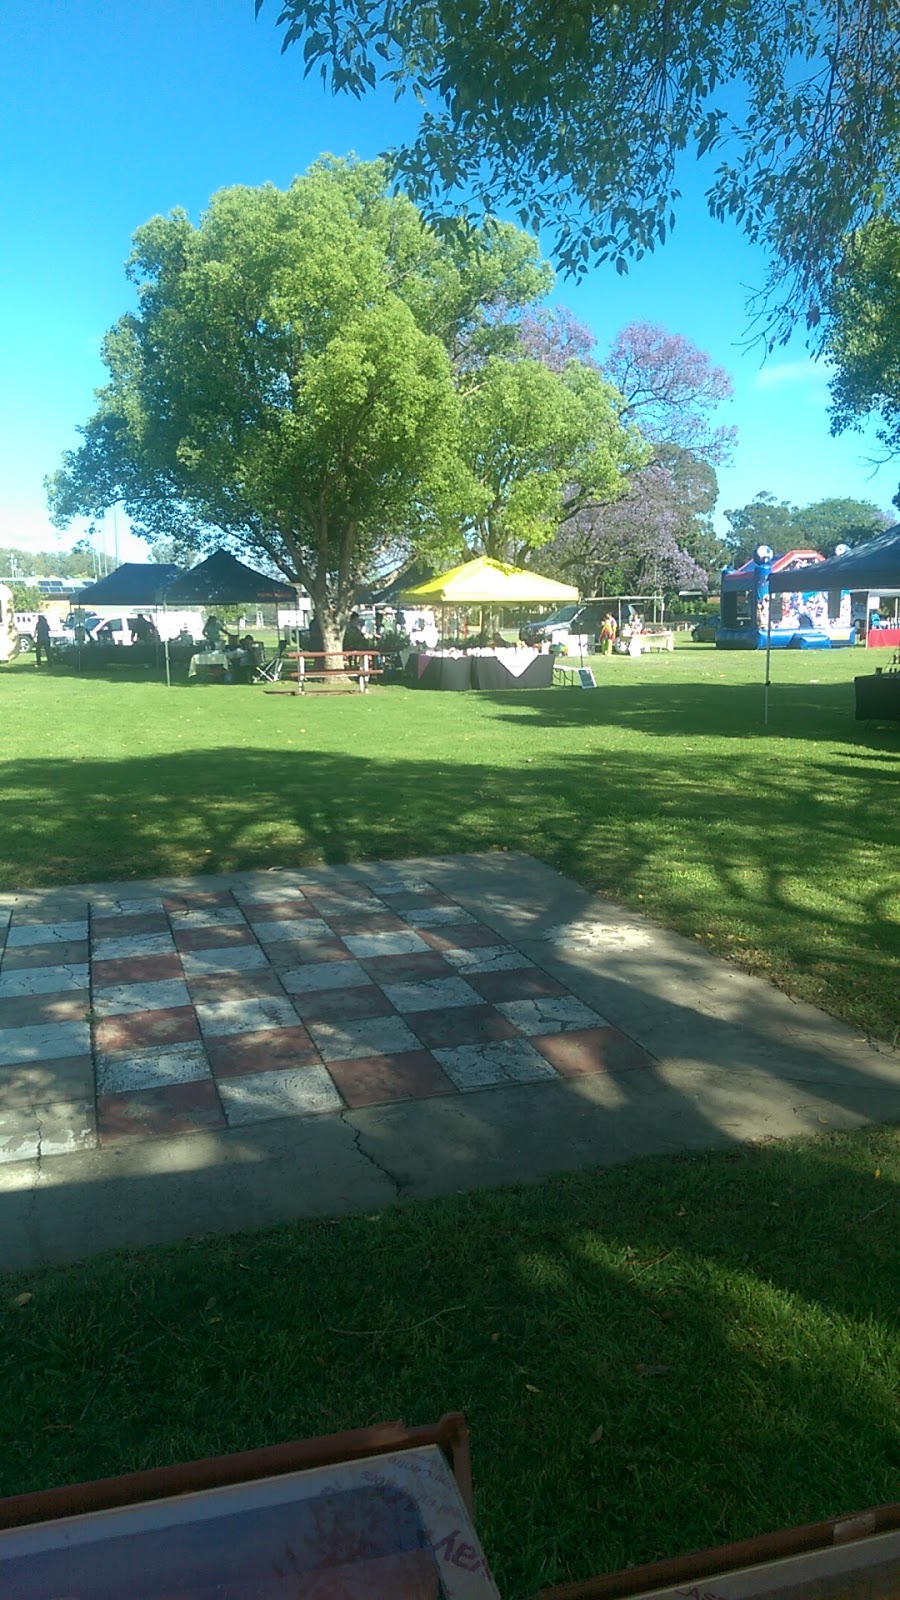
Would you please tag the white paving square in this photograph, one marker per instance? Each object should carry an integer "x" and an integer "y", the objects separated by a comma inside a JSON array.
[
  {"x": 46, "y": 1130},
  {"x": 44, "y": 980},
  {"x": 550, "y": 1014},
  {"x": 300, "y": 1092},
  {"x": 220, "y": 1017},
  {"x": 151, "y": 1069},
  {"x": 125, "y": 908},
  {"x": 386, "y": 944},
  {"x": 133, "y": 944},
  {"x": 230, "y": 958},
  {"x": 209, "y": 917},
  {"x": 274, "y": 892},
  {"x": 487, "y": 958},
  {"x": 431, "y": 994},
  {"x": 25, "y": 933},
  {"x": 403, "y": 886},
  {"x": 291, "y": 929},
  {"x": 324, "y": 975},
  {"x": 475, "y": 1066},
  {"x": 44, "y": 1042},
  {"x": 373, "y": 1036},
  {"x": 121, "y": 998},
  {"x": 435, "y": 916}
]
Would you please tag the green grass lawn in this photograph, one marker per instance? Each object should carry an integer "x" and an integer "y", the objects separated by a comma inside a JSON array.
[
  {"x": 660, "y": 789},
  {"x": 652, "y": 1359}
]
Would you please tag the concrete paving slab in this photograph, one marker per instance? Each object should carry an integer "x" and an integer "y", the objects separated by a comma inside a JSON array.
[
  {"x": 257, "y": 1097},
  {"x": 44, "y": 980},
  {"x": 24, "y": 932},
  {"x": 647, "y": 1044}
]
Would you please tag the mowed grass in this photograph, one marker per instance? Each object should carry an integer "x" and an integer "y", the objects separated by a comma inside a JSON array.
[
  {"x": 653, "y": 1359},
  {"x": 661, "y": 789}
]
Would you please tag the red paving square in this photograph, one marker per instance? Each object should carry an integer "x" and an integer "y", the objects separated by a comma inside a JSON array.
[
  {"x": 158, "y": 1113},
  {"x": 140, "y": 1029},
  {"x": 364, "y": 922},
  {"x": 374, "y": 1080},
  {"x": 214, "y": 986},
  {"x": 591, "y": 1050},
  {"x": 459, "y": 936},
  {"x": 212, "y": 938},
  {"x": 522, "y": 983},
  {"x": 127, "y": 927},
  {"x": 460, "y": 1025},
  {"x": 135, "y": 969},
  {"x": 284, "y": 954},
  {"x": 28, "y": 1010},
  {"x": 406, "y": 969},
  {"x": 268, "y": 1050},
  {"x": 198, "y": 901},
  {"x": 74, "y": 953},
  {"x": 342, "y": 1005}
]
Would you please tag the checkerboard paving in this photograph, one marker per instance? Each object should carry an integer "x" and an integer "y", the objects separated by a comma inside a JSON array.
[{"x": 152, "y": 1017}]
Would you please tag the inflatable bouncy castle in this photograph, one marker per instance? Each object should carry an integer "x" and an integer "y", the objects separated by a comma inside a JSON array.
[{"x": 806, "y": 618}]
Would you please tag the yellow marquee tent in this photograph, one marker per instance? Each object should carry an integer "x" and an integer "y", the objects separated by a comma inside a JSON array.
[{"x": 484, "y": 582}]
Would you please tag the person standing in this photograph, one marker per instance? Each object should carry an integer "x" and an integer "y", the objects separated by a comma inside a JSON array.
[
  {"x": 41, "y": 640},
  {"x": 608, "y": 631},
  {"x": 212, "y": 632}
]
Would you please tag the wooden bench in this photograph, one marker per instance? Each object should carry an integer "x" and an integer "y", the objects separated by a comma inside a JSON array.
[{"x": 361, "y": 670}]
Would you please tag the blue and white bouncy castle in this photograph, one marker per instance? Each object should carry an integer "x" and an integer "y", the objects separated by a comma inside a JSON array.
[{"x": 805, "y": 618}]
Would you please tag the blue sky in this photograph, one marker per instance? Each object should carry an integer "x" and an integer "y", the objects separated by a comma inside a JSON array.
[{"x": 111, "y": 112}]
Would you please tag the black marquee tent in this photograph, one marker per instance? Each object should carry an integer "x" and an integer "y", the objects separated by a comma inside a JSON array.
[
  {"x": 134, "y": 583},
  {"x": 222, "y": 580},
  {"x": 872, "y": 567}
]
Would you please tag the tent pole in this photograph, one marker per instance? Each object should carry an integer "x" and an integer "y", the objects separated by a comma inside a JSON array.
[
  {"x": 768, "y": 657},
  {"x": 166, "y": 642}
]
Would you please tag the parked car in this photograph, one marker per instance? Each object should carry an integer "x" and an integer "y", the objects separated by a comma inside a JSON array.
[
  {"x": 543, "y": 632},
  {"x": 118, "y": 630},
  {"x": 704, "y": 631}
]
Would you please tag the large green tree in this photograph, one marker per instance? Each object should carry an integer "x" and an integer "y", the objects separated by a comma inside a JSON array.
[
  {"x": 864, "y": 334},
  {"x": 537, "y": 446},
  {"x": 820, "y": 525},
  {"x": 577, "y": 116},
  {"x": 287, "y": 384}
]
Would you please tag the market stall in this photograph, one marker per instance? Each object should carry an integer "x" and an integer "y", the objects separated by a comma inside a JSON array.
[{"x": 485, "y": 585}]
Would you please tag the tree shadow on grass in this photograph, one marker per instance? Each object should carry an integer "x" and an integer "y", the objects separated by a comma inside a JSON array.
[
  {"x": 818, "y": 712},
  {"x": 786, "y": 861},
  {"x": 653, "y": 1359}
]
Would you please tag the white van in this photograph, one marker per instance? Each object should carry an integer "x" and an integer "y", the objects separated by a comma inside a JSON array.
[{"x": 168, "y": 624}]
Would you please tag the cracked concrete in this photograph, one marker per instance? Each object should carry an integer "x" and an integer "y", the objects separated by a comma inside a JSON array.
[
  {"x": 368, "y": 1156},
  {"x": 734, "y": 1061}
]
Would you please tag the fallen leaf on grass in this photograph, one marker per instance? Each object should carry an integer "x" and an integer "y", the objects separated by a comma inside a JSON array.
[
  {"x": 597, "y": 1435},
  {"x": 652, "y": 1370},
  {"x": 22, "y": 1299},
  {"x": 532, "y": 1389}
]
